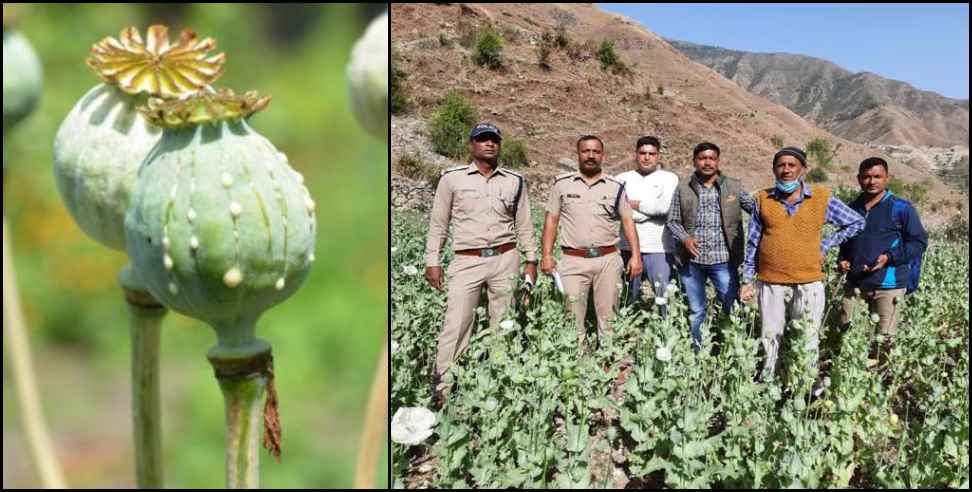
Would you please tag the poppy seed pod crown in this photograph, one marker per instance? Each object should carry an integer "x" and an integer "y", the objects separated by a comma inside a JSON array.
[{"x": 104, "y": 139}]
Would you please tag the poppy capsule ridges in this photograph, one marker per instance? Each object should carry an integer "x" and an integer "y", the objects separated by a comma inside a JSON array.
[{"x": 220, "y": 227}]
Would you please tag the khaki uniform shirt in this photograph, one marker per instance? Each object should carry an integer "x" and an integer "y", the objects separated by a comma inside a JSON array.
[
  {"x": 480, "y": 209},
  {"x": 588, "y": 214}
]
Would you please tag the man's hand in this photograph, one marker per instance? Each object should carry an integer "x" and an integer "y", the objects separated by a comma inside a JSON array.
[
  {"x": 548, "y": 265},
  {"x": 746, "y": 292},
  {"x": 843, "y": 266},
  {"x": 433, "y": 275},
  {"x": 634, "y": 204},
  {"x": 691, "y": 245},
  {"x": 879, "y": 263},
  {"x": 531, "y": 270},
  {"x": 635, "y": 267}
]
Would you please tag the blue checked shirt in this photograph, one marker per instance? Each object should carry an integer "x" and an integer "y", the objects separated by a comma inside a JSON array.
[
  {"x": 708, "y": 230},
  {"x": 838, "y": 214}
]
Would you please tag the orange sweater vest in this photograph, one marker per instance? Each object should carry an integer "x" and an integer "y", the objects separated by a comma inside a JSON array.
[{"x": 789, "y": 251}]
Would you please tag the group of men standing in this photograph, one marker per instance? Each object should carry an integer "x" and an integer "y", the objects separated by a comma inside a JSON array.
[{"x": 693, "y": 226}]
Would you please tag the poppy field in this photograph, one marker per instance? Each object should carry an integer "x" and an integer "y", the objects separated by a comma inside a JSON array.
[{"x": 637, "y": 408}]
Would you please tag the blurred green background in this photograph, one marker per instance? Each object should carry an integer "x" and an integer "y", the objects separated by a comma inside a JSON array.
[{"x": 326, "y": 338}]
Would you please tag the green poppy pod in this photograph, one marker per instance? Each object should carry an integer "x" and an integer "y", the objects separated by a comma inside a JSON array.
[
  {"x": 368, "y": 78},
  {"x": 220, "y": 227},
  {"x": 22, "y": 78}
]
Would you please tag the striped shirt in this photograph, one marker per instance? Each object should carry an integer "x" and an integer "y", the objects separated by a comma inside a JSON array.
[{"x": 838, "y": 214}]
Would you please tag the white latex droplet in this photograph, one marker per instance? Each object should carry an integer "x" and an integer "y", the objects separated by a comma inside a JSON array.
[{"x": 233, "y": 277}]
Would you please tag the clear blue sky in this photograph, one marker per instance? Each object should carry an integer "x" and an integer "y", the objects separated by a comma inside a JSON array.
[{"x": 924, "y": 45}]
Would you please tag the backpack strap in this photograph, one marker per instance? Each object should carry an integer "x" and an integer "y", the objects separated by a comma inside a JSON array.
[
  {"x": 617, "y": 202},
  {"x": 899, "y": 211},
  {"x": 516, "y": 198}
]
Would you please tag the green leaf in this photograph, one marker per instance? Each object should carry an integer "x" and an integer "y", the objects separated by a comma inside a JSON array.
[
  {"x": 844, "y": 475},
  {"x": 577, "y": 437},
  {"x": 949, "y": 447},
  {"x": 654, "y": 464}
]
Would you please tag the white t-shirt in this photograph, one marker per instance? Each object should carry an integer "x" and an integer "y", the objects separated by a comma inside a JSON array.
[{"x": 655, "y": 192}]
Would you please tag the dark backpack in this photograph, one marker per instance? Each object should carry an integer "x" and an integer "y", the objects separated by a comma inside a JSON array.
[{"x": 899, "y": 214}]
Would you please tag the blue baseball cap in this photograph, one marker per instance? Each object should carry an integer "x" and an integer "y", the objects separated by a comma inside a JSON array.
[{"x": 483, "y": 128}]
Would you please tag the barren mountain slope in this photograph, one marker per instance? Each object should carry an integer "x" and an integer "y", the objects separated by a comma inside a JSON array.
[
  {"x": 549, "y": 109},
  {"x": 863, "y": 107}
]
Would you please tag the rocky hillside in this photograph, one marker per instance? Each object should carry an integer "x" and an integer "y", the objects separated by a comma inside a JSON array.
[
  {"x": 862, "y": 107},
  {"x": 664, "y": 94}
]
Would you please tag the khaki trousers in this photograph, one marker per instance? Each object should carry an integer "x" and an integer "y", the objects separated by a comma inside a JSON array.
[
  {"x": 604, "y": 275},
  {"x": 781, "y": 302},
  {"x": 886, "y": 303},
  {"x": 467, "y": 275}
]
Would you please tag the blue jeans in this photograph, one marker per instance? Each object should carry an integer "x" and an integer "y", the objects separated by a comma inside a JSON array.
[
  {"x": 657, "y": 268},
  {"x": 724, "y": 278}
]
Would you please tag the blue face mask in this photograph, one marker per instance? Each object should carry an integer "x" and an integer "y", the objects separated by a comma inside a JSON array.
[{"x": 787, "y": 186}]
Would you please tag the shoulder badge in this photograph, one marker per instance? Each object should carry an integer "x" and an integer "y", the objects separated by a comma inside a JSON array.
[
  {"x": 564, "y": 176},
  {"x": 451, "y": 169}
]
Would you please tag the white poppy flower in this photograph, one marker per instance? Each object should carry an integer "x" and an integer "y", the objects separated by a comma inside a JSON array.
[
  {"x": 671, "y": 289},
  {"x": 491, "y": 404},
  {"x": 412, "y": 425},
  {"x": 663, "y": 354},
  {"x": 394, "y": 346},
  {"x": 394, "y": 249},
  {"x": 410, "y": 270},
  {"x": 507, "y": 324},
  {"x": 875, "y": 318},
  {"x": 661, "y": 301}
]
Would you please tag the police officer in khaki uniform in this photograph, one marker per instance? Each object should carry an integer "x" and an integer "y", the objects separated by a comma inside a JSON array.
[
  {"x": 489, "y": 211},
  {"x": 590, "y": 203}
]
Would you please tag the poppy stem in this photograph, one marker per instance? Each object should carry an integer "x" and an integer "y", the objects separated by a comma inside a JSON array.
[
  {"x": 376, "y": 421},
  {"x": 245, "y": 381},
  {"x": 35, "y": 431},
  {"x": 146, "y": 314}
]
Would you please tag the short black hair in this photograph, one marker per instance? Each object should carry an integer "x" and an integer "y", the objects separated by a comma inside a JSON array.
[
  {"x": 648, "y": 141},
  {"x": 704, "y": 146},
  {"x": 871, "y": 162},
  {"x": 590, "y": 137}
]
